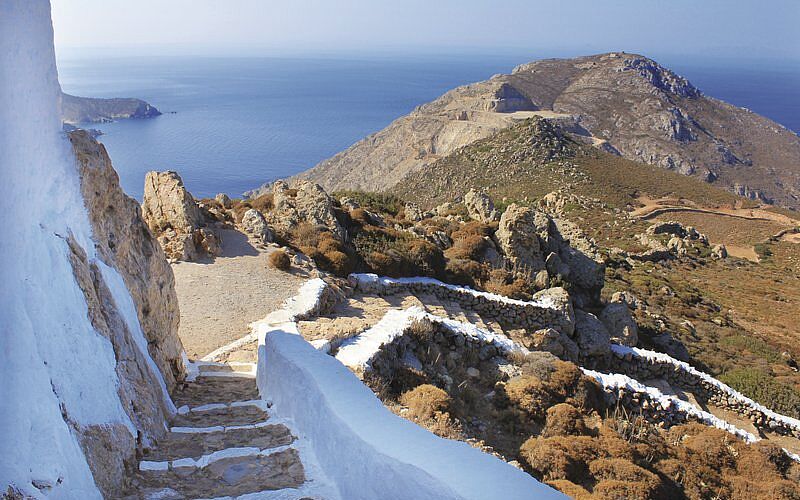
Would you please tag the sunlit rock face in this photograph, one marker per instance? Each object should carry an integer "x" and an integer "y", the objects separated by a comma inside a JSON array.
[{"x": 80, "y": 390}]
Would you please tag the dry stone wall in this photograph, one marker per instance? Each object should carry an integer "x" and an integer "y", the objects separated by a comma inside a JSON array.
[
  {"x": 703, "y": 386},
  {"x": 551, "y": 308}
]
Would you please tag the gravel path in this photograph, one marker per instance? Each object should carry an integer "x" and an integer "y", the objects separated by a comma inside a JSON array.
[{"x": 219, "y": 299}]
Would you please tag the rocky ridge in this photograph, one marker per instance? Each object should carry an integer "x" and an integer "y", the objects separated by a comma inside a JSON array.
[{"x": 621, "y": 103}]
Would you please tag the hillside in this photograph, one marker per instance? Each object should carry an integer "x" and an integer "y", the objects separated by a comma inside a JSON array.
[
  {"x": 622, "y": 103},
  {"x": 733, "y": 315},
  {"x": 76, "y": 110}
]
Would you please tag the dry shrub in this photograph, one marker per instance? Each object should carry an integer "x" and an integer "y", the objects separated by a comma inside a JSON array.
[
  {"x": 620, "y": 469},
  {"x": 611, "y": 489},
  {"x": 425, "y": 401},
  {"x": 239, "y": 208},
  {"x": 469, "y": 247},
  {"x": 263, "y": 203},
  {"x": 279, "y": 259},
  {"x": 504, "y": 283},
  {"x": 560, "y": 457},
  {"x": 306, "y": 235},
  {"x": 570, "y": 489},
  {"x": 426, "y": 255},
  {"x": 563, "y": 419},
  {"x": 465, "y": 272},
  {"x": 529, "y": 394},
  {"x": 360, "y": 216}
]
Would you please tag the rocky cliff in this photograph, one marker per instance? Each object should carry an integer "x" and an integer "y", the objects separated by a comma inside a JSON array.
[
  {"x": 622, "y": 103},
  {"x": 124, "y": 241},
  {"x": 75, "y": 110}
]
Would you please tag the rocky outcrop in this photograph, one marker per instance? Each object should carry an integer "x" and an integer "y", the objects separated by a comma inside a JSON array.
[
  {"x": 254, "y": 223},
  {"x": 532, "y": 242},
  {"x": 124, "y": 242},
  {"x": 480, "y": 206},
  {"x": 626, "y": 104},
  {"x": 173, "y": 215},
  {"x": 304, "y": 202},
  {"x": 75, "y": 110}
]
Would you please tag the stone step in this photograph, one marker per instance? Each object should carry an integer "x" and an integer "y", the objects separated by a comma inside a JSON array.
[
  {"x": 231, "y": 368},
  {"x": 230, "y": 472},
  {"x": 194, "y": 442},
  {"x": 207, "y": 390},
  {"x": 237, "y": 413}
]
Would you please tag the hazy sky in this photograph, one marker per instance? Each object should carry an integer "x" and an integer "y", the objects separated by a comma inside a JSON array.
[{"x": 733, "y": 28}]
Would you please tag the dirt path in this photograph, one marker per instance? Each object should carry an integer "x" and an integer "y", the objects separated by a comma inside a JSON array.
[
  {"x": 219, "y": 299},
  {"x": 655, "y": 207}
]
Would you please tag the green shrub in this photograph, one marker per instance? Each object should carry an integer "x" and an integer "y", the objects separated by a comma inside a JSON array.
[
  {"x": 761, "y": 387},
  {"x": 377, "y": 202}
]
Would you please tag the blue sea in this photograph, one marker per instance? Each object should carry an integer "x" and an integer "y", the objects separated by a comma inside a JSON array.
[{"x": 231, "y": 124}]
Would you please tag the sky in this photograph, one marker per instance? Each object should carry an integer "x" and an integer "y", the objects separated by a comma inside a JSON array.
[{"x": 714, "y": 28}]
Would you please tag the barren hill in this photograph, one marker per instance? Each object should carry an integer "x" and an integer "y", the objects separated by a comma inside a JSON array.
[{"x": 622, "y": 103}]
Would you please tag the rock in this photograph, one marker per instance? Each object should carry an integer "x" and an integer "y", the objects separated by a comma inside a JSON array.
[
  {"x": 414, "y": 212},
  {"x": 719, "y": 252},
  {"x": 254, "y": 223},
  {"x": 621, "y": 326},
  {"x": 666, "y": 343},
  {"x": 304, "y": 202},
  {"x": 125, "y": 242},
  {"x": 671, "y": 227},
  {"x": 444, "y": 209},
  {"x": 473, "y": 372},
  {"x": 520, "y": 233},
  {"x": 560, "y": 302},
  {"x": 591, "y": 335},
  {"x": 224, "y": 200},
  {"x": 554, "y": 342},
  {"x": 348, "y": 203},
  {"x": 174, "y": 217},
  {"x": 626, "y": 297},
  {"x": 541, "y": 280},
  {"x": 480, "y": 206}
]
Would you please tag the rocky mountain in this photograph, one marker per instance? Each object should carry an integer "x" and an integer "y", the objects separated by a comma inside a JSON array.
[
  {"x": 622, "y": 103},
  {"x": 76, "y": 110}
]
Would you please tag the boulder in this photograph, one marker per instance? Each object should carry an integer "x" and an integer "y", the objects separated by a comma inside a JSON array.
[
  {"x": 520, "y": 236},
  {"x": 304, "y": 202},
  {"x": 254, "y": 223},
  {"x": 719, "y": 252},
  {"x": 224, "y": 200},
  {"x": 480, "y": 206},
  {"x": 591, "y": 335},
  {"x": 559, "y": 301},
  {"x": 554, "y": 342},
  {"x": 174, "y": 217},
  {"x": 621, "y": 326},
  {"x": 666, "y": 343}
]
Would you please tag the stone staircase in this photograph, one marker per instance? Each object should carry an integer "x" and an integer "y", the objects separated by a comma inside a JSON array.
[{"x": 221, "y": 443}]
